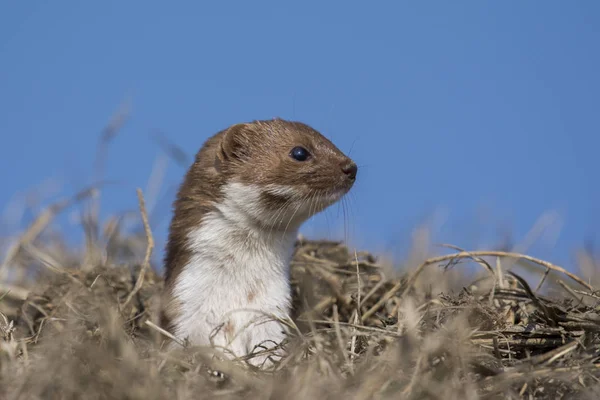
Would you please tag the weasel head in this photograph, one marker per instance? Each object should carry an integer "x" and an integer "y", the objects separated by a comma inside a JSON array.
[{"x": 281, "y": 172}]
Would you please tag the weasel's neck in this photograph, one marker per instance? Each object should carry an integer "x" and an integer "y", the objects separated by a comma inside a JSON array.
[{"x": 233, "y": 265}]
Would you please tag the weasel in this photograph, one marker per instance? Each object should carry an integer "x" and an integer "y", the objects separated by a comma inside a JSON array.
[{"x": 235, "y": 223}]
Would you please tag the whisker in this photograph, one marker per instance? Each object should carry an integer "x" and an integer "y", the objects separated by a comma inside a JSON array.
[
  {"x": 345, "y": 219},
  {"x": 339, "y": 208},
  {"x": 327, "y": 212},
  {"x": 273, "y": 219},
  {"x": 319, "y": 201},
  {"x": 310, "y": 200},
  {"x": 292, "y": 217},
  {"x": 351, "y": 147},
  {"x": 281, "y": 211},
  {"x": 313, "y": 203}
]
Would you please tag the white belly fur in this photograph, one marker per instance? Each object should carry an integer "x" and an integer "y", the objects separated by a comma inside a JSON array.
[{"x": 237, "y": 274}]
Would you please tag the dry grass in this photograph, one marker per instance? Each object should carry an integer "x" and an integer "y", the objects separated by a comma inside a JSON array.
[{"x": 77, "y": 326}]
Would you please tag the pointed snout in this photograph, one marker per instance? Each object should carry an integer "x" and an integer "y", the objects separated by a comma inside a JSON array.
[{"x": 350, "y": 169}]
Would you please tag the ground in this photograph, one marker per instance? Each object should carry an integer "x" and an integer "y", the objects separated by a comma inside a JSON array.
[{"x": 77, "y": 326}]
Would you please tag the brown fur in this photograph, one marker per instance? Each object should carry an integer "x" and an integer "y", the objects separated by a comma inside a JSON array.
[
  {"x": 196, "y": 197},
  {"x": 253, "y": 153}
]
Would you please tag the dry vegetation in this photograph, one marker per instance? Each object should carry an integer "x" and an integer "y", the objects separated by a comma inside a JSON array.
[{"x": 80, "y": 324}]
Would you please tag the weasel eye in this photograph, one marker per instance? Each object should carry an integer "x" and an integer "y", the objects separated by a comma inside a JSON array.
[{"x": 299, "y": 153}]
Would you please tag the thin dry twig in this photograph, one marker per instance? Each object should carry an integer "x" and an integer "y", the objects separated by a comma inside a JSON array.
[
  {"x": 539, "y": 286},
  {"x": 165, "y": 333},
  {"x": 149, "y": 248},
  {"x": 464, "y": 254},
  {"x": 39, "y": 224},
  {"x": 388, "y": 295},
  {"x": 546, "y": 264}
]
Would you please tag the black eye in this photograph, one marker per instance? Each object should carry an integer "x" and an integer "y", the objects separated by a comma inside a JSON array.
[{"x": 299, "y": 153}]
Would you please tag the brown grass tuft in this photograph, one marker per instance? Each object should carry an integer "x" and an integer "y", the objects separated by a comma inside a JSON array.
[{"x": 362, "y": 330}]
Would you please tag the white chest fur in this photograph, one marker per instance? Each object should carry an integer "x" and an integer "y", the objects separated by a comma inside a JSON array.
[{"x": 236, "y": 280}]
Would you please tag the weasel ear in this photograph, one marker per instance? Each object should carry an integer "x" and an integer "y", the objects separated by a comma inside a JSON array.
[{"x": 231, "y": 146}]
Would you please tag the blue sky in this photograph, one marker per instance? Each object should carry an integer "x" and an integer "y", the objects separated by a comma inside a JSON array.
[{"x": 481, "y": 114}]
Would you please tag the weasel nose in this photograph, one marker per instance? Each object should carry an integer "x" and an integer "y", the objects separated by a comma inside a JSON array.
[{"x": 350, "y": 170}]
